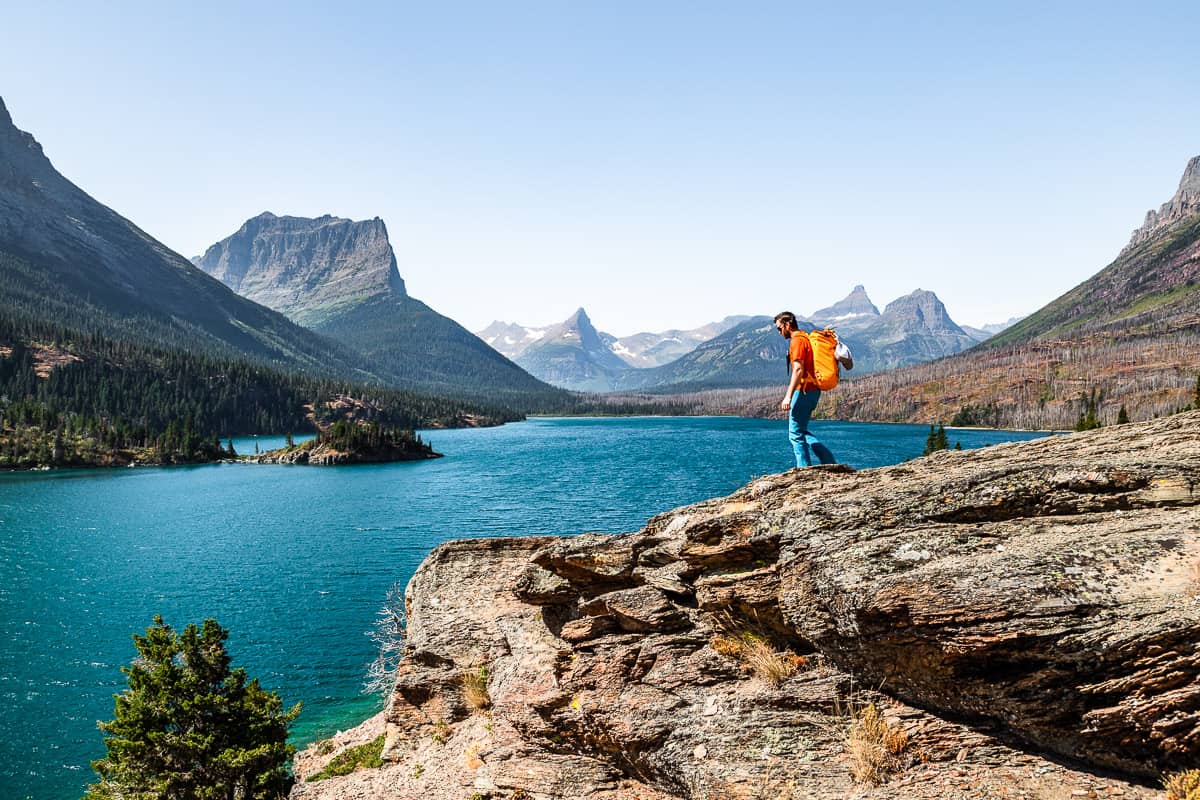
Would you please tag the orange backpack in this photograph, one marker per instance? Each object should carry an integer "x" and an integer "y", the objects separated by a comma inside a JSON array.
[{"x": 825, "y": 361}]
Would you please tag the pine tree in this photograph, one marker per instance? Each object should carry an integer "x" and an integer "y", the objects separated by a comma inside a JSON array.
[
  {"x": 1122, "y": 416},
  {"x": 190, "y": 728},
  {"x": 1196, "y": 395},
  {"x": 1088, "y": 419},
  {"x": 936, "y": 440}
]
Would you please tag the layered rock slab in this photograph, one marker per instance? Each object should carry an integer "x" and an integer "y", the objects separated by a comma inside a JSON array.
[{"x": 1038, "y": 596}]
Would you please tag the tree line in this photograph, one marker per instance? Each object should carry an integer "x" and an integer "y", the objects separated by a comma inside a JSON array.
[{"x": 76, "y": 398}]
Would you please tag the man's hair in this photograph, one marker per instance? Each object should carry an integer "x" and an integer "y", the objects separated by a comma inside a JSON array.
[{"x": 785, "y": 316}]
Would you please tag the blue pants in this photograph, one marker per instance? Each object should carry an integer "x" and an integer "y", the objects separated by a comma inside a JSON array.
[{"x": 804, "y": 443}]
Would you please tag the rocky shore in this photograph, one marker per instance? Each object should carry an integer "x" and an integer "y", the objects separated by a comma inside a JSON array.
[{"x": 1021, "y": 621}]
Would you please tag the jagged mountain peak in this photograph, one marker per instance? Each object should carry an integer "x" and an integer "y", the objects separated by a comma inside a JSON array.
[
  {"x": 1189, "y": 184},
  {"x": 854, "y": 305},
  {"x": 1184, "y": 203},
  {"x": 579, "y": 319},
  {"x": 22, "y": 157},
  {"x": 924, "y": 306}
]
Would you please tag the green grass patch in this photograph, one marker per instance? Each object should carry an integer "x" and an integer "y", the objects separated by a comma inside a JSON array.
[
  {"x": 369, "y": 755},
  {"x": 1153, "y": 301}
]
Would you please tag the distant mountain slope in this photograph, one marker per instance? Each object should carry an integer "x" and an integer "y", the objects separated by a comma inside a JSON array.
[
  {"x": 574, "y": 355},
  {"x": 911, "y": 329},
  {"x": 76, "y": 260},
  {"x": 854, "y": 309},
  {"x": 749, "y": 354},
  {"x": 510, "y": 339},
  {"x": 340, "y": 277},
  {"x": 990, "y": 330},
  {"x": 645, "y": 350},
  {"x": 1154, "y": 277},
  {"x": 1130, "y": 334}
]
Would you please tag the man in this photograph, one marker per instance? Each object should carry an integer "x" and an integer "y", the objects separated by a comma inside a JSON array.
[{"x": 802, "y": 394}]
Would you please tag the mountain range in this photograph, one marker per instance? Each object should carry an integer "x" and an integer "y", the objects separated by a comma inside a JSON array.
[
  {"x": 1126, "y": 338},
  {"x": 340, "y": 278},
  {"x": 112, "y": 345},
  {"x": 77, "y": 275},
  {"x": 325, "y": 296},
  {"x": 69, "y": 257},
  {"x": 738, "y": 351}
]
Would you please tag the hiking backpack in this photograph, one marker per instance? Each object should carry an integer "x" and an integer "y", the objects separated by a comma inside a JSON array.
[{"x": 828, "y": 352}]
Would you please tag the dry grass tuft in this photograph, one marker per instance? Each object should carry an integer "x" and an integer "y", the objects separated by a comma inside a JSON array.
[
  {"x": 1183, "y": 785},
  {"x": 758, "y": 657},
  {"x": 1194, "y": 572},
  {"x": 475, "y": 689},
  {"x": 875, "y": 746}
]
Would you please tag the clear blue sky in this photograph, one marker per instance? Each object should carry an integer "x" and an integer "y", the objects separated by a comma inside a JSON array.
[{"x": 662, "y": 164}]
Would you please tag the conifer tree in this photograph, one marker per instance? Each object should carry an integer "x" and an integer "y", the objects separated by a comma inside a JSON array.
[
  {"x": 936, "y": 440},
  {"x": 1088, "y": 419},
  {"x": 191, "y": 728},
  {"x": 1122, "y": 415}
]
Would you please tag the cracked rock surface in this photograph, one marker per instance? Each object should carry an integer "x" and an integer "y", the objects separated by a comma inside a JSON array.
[{"x": 1027, "y": 614}]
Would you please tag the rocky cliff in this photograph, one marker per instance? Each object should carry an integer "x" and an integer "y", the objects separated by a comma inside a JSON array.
[
  {"x": 308, "y": 269},
  {"x": 339, "y": 277},
  {"x": 1010, "y": 622},
  {"x": 1184, "y": 204}
]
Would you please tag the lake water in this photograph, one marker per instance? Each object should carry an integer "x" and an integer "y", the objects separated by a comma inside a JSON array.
[{"x": 296, "y": 561}]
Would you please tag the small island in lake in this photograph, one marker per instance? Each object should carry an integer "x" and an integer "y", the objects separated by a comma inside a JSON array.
[{"x": 350, "y": 442}]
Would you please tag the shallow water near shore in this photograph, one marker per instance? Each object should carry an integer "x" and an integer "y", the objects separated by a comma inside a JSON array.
[{"x": 296, "y": 560}]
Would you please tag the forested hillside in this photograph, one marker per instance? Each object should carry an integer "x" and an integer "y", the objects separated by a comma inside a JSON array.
[{"x": 72, "y": 397}]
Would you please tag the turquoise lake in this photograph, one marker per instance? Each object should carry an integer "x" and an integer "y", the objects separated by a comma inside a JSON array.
[{"x": 296, "y": 561}]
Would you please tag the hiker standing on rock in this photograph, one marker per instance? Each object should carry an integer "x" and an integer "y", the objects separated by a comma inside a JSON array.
[{"x": 802, "y": 394}]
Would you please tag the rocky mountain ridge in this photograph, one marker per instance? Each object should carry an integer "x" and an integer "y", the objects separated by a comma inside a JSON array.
[
  {"x": 743, "y": 352},
  {"x": 648, "y": 350},
  {"x": 340, "y": 278},
  {"x": 911, "y": 329},
  {"x": 308, "y": 269},
  {"x": 982, "y": 610},
  {"x": 853, "y": 306},
  {"x": 85, "y": 263},
  {"x": 640, "y": 350},
  {"x": 1128, "y": 337},
  {"x": 1185, "y": 203}
]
